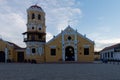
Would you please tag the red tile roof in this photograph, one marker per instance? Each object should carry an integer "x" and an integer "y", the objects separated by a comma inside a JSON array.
[
  {"x": 36, "y": 6},
  {"x": 110, "y": 47},
  {"x": 16, "y": 46}
]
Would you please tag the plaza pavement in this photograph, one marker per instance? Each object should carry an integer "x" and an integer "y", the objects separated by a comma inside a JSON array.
[{"x": 73, "y": 71}]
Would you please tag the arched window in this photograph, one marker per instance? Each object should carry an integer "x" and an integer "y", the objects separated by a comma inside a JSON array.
[
  {"x": 32, "y": 27},
  {"x": 33, "y": 16},
  {"x": 39, "y": 16},
  {"x": 39, "y": 28},
  {"x": 33, "y": 50}
]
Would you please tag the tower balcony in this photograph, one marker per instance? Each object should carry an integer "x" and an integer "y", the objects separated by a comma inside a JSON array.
[
  {"x": 34, "y": 32},
  {"x": 34, "y": 40}
]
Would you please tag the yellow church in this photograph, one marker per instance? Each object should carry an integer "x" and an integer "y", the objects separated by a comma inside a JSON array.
[{"x": 67, "y": 46}]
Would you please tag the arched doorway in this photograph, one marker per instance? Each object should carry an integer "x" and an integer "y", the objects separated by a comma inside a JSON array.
[
  {"x": 69, "y": 54},
  {"x": 2, "y": 56}
]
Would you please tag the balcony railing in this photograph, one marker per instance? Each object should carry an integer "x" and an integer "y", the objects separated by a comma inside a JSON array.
[
  {"x": 37, "y": 40},
  {"x": 34, "y": 32}
]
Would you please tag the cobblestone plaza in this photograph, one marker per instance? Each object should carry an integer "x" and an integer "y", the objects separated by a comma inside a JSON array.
[{"x": 74, "y": 71}]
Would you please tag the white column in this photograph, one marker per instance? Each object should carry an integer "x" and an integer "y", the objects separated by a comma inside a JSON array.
[
  {"x": 6, "y": 54},
  {"x": 75, "y": 55},
  {"x": 63, "y": 54},
  {"x": 75, "y": 44},
  {"x": 63, "y": 48},
  {"x": 28, "y": 52}
]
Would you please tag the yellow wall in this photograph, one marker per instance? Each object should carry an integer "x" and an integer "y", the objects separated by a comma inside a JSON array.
[
  {"x": 81, "y": 56},
  {"x": 37, "y": 57},
  {"x": 11, "y": 50},
  {"x": 56, "y": 42},
  {"x": 3, "y": 45},
  {"x": 38, "y": 22}
]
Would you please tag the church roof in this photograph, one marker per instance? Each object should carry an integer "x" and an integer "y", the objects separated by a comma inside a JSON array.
[
  {"x": 110, "y": 47},
  {"x": 35, "y": 7},
  {"x": 16, "y": 46},
  {"x": 70, "y": 30}
]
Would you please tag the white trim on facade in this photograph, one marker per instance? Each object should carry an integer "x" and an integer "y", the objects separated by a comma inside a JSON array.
[
  {"x": 69, "y": 42},
  {"x": 52, "y": 46},
  {"x": 6, "y": 54},
  {"x": 110, "y": 55},
  {"x": 72, "y": 32},
  {"x": 86, "y": 46},
  {"x": 35, "y": 9},
  {"x": 40, "y": 50}
]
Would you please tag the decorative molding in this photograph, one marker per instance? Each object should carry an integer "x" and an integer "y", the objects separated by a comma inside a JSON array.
[
  {"x": 52, "y": 46},
  {"x": 73, "y": 32},
  {"x": 6, "y": 54},
  {"x": 67, "y": 43},
  {"x": 35, "y": 9},
  {"x": 28, "y": 51},
  {"x": 40, "y": 50},
  {"x": 86, "y": 46}
]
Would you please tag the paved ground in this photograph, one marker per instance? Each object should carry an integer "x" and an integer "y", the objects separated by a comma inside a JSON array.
[{"x": 17, "y": 71}]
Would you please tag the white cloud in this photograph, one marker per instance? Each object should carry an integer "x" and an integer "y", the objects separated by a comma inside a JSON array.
[
  {"x": 2, "y": 1},
  {"x": 102, "y": 43},
  {"x": 59, "y": 12},
  {"x": 109, "y": 41},
  {"x": 66, "y": 15},
  {"x": 12, "y": 25},
  {"x": 13, "y": 17},
  {"x": 48, "y": 36}
]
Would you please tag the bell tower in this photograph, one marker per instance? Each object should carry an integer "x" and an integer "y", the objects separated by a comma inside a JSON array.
[{"x": 35, "y": 36}]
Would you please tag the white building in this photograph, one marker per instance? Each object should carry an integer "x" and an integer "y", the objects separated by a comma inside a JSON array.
[{"x": 111, "y": 52}]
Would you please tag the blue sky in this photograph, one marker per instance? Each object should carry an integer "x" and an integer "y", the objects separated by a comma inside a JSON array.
[{"x": 98, "y": 19}]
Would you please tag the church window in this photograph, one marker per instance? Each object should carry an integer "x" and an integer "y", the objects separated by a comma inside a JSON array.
[
  {"x": 105, "y": 54},
  {"x": 28, "y": 36},
  {"x": 69, "y": 38},
  {"x": 86, "y": 51},
  {"x": 33, "y": 16},
  {"x": 39, "y": 17},
  {"x": 39, "y": 28},
  {"x": 32, "y": 27},
  {"x": 108, "y": 54},
  {"x": 112, "y": 54},
  {"x": 53, "y": 52},
  {"x": 33, "y": 50}
]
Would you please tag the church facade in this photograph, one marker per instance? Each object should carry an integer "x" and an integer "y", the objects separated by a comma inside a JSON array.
[{"x": 69, "y": 45}]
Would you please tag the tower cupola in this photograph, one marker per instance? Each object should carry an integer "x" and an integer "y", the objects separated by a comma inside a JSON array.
[{"x": 35, "y": 8}]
